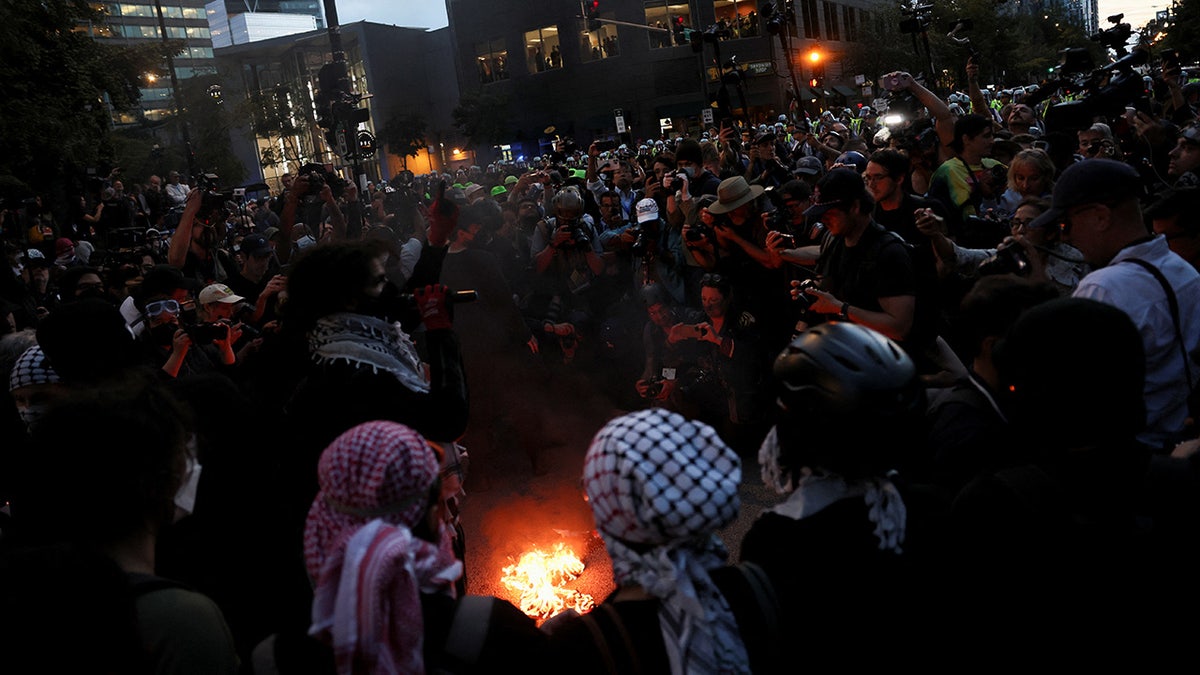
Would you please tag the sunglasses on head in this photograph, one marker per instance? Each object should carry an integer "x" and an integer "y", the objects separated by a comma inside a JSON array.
[{"x": 162, "y": 306}]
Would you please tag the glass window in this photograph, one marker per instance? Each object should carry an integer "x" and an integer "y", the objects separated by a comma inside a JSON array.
[
  {"x": 491, "y": 59},
  {"x": 831, "y": 22},
  {"x": 850, "y": 22},
  {"x": 132, "y": 10},
  {"x": 198, "y": 32},
  {"x": 810, "y": 19},
  {"x": 675, "y": 17},
  {"x": 173, "y": 12},
  {"x": 176, "y": 32},
  {"x": 598, "y": 44},
  {"x": 541, "y": 49},
  {"x": 194, "y": 13},
  {"x": 741, "y": 16},
  {"x": 199, "y": 52}
]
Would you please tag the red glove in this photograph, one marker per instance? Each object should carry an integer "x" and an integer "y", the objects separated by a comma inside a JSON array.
[
  {"x": 431, "y": 302},
  {"x": 443, "y": 217}
]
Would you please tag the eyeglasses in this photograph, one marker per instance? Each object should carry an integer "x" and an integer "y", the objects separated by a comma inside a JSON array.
[
  {"x": 1018, "y": 223},
  {"x": 711, "y": 279},
  {"x": 162, "y": 306},
  {"x": 869, "y": 178},
  {"x": 90, "y": 286}
]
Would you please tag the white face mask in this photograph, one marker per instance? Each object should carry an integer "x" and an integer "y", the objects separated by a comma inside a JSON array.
[{"x": 690, "y": 171}]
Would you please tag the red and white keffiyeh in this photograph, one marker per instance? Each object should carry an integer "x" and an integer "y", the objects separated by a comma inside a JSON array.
[{"x": 369, "y": 569}]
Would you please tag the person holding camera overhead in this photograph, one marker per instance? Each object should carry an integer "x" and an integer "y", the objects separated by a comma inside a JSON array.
[{"x": 196, "y": 245}]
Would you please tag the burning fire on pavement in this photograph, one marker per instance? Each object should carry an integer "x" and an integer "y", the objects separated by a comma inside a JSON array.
[{"x": 537, "y": 582}]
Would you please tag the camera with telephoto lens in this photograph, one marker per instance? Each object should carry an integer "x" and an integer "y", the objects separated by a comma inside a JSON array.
[
  {"x": 318, "y": 177},
  {"x": 1008, "y": 260},
  {"x": 780, "y": 218},
  {"x": 579, "y": 238},
  {"x": 800, "y": 295},
  {"x": 205, "y": 333}
]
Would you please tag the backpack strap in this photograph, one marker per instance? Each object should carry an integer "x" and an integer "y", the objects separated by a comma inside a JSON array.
[{"x": 764, "y": 594}]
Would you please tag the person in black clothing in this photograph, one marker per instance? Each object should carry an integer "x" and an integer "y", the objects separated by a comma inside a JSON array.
[
  {"x": 342, "y": 359},
  {"x": 850, "y": 413},
  {"x": 867, "y": 274}
]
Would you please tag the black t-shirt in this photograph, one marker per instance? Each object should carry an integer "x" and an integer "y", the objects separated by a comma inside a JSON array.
[{"x": 878, "y": 266}]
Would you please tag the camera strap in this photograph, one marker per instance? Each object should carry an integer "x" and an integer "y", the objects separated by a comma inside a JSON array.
[{"x": 1173, "y": 302}]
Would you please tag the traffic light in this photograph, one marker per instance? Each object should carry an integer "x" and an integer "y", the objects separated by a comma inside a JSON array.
[
  {"x": 814, "y": 56},
  {"x": 593, "y": 14}
]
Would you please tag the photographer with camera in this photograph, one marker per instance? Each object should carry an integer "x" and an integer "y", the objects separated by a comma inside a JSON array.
[
  {"x": 567, "y": 258},
  {"x": 623, "y": 179},
  {"x": 765, "y": 168},
  {"x": 1038, "y": 254},
  {"x": 195, "y": 246},
  {"x": 866, "y": 272},
  {"x": 964, "y": 182},
  {"x": 903, "y": 87}
]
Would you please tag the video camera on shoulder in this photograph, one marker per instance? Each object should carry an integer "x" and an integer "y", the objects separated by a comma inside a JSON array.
[{"x": 212, "y": 203}]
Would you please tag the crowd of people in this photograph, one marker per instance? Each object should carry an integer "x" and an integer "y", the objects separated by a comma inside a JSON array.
[{"x": 962, "y": 349}]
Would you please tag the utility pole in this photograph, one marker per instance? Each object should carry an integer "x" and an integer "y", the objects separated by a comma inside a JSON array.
[
  {"x": 176, "y": 95},
  {"x": 338, "y": 101}
]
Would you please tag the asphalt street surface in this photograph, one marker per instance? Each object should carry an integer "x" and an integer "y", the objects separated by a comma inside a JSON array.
[{"x": 520, "y": 510}]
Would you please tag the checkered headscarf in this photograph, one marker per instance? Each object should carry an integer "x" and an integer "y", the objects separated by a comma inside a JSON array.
[
  {"x": 32, "y": 368},
  {"x": 369, "y": 568},
  {"x": 375, "y": 470},
  {"x": 660, "y": 486}
]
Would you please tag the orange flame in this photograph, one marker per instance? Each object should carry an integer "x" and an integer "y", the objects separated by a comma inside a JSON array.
[{"x": 538, "y": 581}]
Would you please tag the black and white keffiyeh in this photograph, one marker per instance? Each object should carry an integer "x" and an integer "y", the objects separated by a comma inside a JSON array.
[
  {"x": 368, "y": 342},
  {"x": 660, "y": 486},
  {"x": 32, "y": 368},
  {"x": 814, "y": 489}
]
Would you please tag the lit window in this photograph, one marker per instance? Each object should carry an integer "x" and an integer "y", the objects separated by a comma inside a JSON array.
[
  {"x": 541, "y": 50},
  {"x": 740, "y": 17},
  {"x": 673, "y": 17},
  {"x": 491, "y": 58}
]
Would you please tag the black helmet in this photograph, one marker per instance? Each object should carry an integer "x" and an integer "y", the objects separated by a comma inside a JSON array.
[
  {"x": 850, "y": 401},
  {"x": 844, "y": 369}
]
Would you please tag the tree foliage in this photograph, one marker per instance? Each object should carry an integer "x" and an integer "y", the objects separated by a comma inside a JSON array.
[
  {"x": 56, "y": 82},
  {"x": 404, "y": 134},
  {"x": 482, "y": 118},
  {"x": 1182, "y": 31},
  {"x": 1017, "y": 46}
]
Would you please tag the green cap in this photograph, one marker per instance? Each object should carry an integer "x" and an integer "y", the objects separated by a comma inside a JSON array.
[
  {"x": 510, "y": 180},
  {"x": 498, "y": 190}
]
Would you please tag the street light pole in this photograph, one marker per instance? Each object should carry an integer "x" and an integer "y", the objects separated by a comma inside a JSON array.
[
  {"x": 339, "y": 58},
  {"x": 176, "y": 95}
]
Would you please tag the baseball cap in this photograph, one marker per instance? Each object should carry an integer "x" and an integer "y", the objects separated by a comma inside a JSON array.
[
  {"x": 63, "y": 245},
  {"x": 1190, "y": 133},
  {"x": 809, "y": 166},
  {"x": 647, "y": 209},
  {"x": 256, "y": 245},
  {"x": 219, "y": 293},
  {"x": 510, "y": 180},
  {"x": 1092, "y": 182},
  {"x": 498, "y": 190},
  {"x": 836, "y": 188}
]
